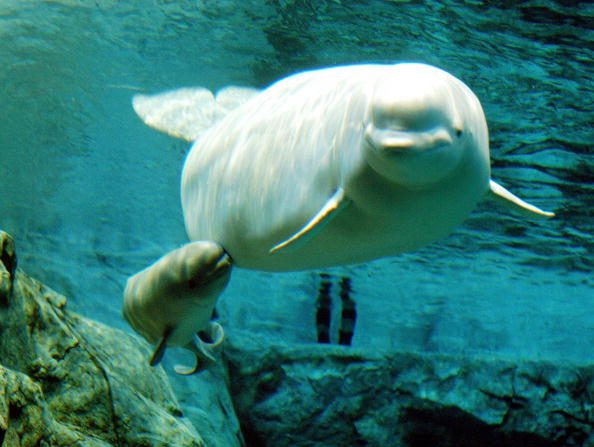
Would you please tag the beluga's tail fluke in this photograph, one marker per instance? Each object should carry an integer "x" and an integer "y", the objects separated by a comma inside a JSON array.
[{"x": 188, "y": 112}]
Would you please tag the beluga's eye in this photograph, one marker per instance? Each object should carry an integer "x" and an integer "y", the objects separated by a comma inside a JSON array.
[{"x": 458, "y": 131}]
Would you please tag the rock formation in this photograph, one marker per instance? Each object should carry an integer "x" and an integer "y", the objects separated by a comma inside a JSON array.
[
  {"x": 336, "y": 396},
  {"x": 66, "y": 380}
]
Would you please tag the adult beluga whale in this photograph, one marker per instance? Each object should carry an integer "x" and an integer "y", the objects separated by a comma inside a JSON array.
[{"x": 326, "y": 167}]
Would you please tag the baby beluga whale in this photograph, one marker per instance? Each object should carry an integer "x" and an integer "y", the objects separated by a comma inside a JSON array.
[
  {"x": 323, "y": 168},
  {"x": 181, "y": 288}
]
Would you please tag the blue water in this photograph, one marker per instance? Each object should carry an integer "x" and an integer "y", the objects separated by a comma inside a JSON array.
[{"x": 91, "y": 194}]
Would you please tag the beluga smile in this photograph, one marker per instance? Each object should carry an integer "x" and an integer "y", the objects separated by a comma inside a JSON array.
[
  {"x": 414, "y": 130},
  {"x": 400, "y": 142}
]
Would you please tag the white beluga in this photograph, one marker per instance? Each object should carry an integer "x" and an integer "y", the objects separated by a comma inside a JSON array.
[{"x": 324, "y": 168}]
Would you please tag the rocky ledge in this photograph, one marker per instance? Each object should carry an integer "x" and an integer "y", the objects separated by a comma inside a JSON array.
[
  {"x": 335, "y": 396},
  {"x": 66, "y": 380}
]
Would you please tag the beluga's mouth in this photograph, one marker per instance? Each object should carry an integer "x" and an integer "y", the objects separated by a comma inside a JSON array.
[{"x": 399, "y": 142}]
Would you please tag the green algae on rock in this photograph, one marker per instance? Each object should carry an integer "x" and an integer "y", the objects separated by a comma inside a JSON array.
[{"x": 66, "y": 380}]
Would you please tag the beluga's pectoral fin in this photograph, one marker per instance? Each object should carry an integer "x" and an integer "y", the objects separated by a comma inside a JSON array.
[
  {"x": 203, "y": 349},
  {"x": 510, "y": 200},
  {"x": 159, "y": 351},
  {"x": 330, "y": 210}
]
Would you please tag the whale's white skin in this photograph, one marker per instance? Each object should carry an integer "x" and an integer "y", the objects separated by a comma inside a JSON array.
[
  {"x": 326, "y": 167},
  {"x": 269, "y": 166}
]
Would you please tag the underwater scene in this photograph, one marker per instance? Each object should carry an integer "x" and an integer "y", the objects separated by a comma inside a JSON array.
[{"x": 471, "y": 331}]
